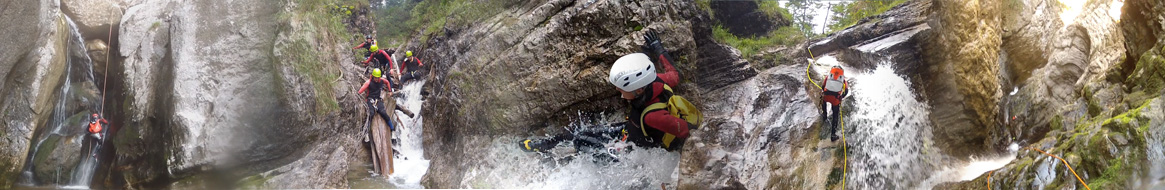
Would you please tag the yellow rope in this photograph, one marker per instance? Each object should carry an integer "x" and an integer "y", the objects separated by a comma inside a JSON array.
[
  {"x": 845, "y": 153},
  {"x": 807, "y": 69},
  {"x": 841, "y": 117},
  {"x": 1066, "y": 165}
]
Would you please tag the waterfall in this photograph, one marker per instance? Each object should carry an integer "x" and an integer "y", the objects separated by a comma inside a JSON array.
[
  {"x": 410, "y": 164},
  {"x": 75, "y": 98}
]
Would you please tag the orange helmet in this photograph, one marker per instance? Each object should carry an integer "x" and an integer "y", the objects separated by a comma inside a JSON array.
[{"x": 836, "y": 72}]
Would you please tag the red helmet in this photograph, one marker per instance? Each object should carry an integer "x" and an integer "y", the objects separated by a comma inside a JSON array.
[{"x": 836, "y": 72}]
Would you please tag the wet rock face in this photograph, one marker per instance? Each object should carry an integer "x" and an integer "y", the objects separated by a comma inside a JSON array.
[
  {"x": 962, "y": 65},
  {"x": 1084, "y": 51},
  {"x": 97, "y": 50},
  {"x": 757, "y": 136},
  {"x": 226, "y": 100},
  {"x": 55, "y": 163},
  {"x": 1141, "y": 19},
  {"x": 1092, "y": 101},
  {"x": 34, "y": 34},
  {"x": 742, "y": 18},
  {"x": 506, "y": 79}
]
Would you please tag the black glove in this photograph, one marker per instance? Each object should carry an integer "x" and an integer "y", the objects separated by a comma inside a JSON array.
[{"x": 652, "y": 45}]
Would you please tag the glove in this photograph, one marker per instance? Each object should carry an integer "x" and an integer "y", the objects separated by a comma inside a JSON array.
[{"x": 652, "y": 45}]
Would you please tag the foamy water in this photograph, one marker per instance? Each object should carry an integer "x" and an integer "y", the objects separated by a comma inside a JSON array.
[{"x": 410, "y": 165}]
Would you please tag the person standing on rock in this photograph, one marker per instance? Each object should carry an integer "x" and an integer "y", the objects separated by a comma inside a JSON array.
[
  {"x": 660, "y": 118},
  {"x": 836, "y": 88},
  {"x": 411, "y": 68},
  {"x": 367, "y": 45}
]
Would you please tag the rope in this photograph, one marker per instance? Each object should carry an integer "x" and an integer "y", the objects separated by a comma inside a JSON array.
[
  {"x": 810, "y": 65},
  {"x": 105, "y": 81},
  {"x": 1066, "y": 165},
  {"x": 989, "y": 179},
  {"x": 845, "y": 153},
  {"x": 841, "y": 117}
]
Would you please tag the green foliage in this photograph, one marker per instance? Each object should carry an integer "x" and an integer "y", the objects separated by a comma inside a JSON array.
[
  {"x": 400, "y": 21},
  {"x": 751, "y": 46},
  {"x": 802, "y": 14},
  {"x": 320, "y": 22},
  {"x": 321, "y": 75},
  {"x": 848, "y": 14},
  {"x": 1149, "y": 74},
  {"x": 705, "y": 5},
  {"x": 773, "y": 9}
]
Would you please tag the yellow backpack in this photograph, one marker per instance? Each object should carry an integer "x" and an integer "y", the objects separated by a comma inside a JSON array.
[{"x": 680, "y": 108}]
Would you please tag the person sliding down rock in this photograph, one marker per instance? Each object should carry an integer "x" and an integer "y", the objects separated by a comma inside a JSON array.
[
  {"x": 411, "y": 68},
  {"x": 836, "y": 88},
  {"x": 657, "y": 117}
]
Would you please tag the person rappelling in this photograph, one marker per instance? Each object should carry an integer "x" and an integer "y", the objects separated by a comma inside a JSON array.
[
  {"x": 96, "y": 125},
  {"x": 657, "y": 117},
  {"x": 836, "y": 89}
]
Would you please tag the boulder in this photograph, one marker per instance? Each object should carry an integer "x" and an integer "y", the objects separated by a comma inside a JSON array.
[{"x": 94, "y": 15}]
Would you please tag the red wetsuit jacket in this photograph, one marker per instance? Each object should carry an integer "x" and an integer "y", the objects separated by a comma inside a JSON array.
[
  {"x": 374, "y": 92},
  {"x": 662, "y": 119}
]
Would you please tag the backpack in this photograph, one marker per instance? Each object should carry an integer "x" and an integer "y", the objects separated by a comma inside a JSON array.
[
  {"x": 835, "y": 84},
  {"x": 678, "y": 107}
]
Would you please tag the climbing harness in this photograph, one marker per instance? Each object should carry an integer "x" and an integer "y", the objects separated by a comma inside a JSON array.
[{"x": 841, "y": 118}]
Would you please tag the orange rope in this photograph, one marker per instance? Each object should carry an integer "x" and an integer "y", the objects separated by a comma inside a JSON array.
[
  {"x": 989, "y": 179},
  {"x": 1066, "y": 165}
]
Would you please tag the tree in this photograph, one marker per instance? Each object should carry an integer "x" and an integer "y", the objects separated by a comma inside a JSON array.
[
  {"x": 848, "y": 14},
  {"x": 802, "y": 11}
]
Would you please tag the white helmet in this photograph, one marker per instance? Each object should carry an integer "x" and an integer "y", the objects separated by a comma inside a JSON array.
[{"x": 632, "y": 72}]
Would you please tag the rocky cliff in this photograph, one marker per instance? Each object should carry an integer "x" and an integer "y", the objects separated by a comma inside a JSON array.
[
  {"x": 216, "y": 94},
  {"x": 31, "y": 69},
  {"x": 252, "y": 97},
  {"x": 540, "y": 62},
  {"x": 1092, "y": 97}
]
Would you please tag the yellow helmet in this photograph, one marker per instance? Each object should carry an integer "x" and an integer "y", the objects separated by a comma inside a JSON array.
[
  {"x": 373, "y": 48},
  {"x": 376, "y": 73},
  {"x": 408, "y": 53}
]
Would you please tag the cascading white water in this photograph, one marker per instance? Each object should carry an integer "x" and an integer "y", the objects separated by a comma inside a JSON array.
[
  {"x": 77, "y": 97},
  {"x": 83, "y": 173},
  {"x": 510, "y": 167},
  {"x": 888, "y": 133},
  {"x": 410, "y": 164}
]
